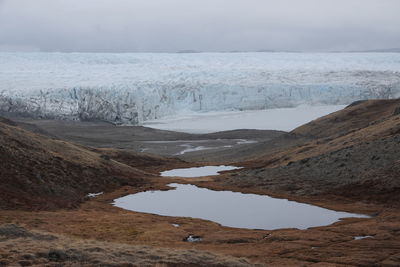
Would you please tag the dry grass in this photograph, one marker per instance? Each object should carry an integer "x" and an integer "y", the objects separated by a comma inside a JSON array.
[
  {"x": 151, "y": 240},
  {"x": 20, "y": 247},
  {"x": 368, "y": 121}
]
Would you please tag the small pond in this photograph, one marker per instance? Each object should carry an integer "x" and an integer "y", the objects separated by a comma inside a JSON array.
[
  {"x": 231, "y": 208},
  {"x": 198, "y": 171}
]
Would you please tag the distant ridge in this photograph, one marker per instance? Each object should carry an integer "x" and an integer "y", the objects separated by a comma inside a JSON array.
[
  {"x": 188, "y": 51},
  {"x": 387, "y": 50}
]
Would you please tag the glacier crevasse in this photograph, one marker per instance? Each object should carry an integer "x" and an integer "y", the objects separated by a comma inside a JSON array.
[{"x": 132, "y": 88}]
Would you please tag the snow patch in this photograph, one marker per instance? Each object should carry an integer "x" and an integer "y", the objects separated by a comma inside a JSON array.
[
  {"x": 189, "y": 148},
  {"x": 94, "y": 194},
  {"x": 362, "y": 237},
  {"x": 192, "y": 238},
  {"x": 244, "y": 141}
]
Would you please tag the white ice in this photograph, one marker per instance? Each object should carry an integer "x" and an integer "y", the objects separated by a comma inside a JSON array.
[
  {"x": 362, "y": 237},
  {"x": 94, "y": 194},
  {"x": 284, "y": 119},
  {"x": 189, "y": 148},
  {"x": 133, "y": 88},
  {"x": 198, "y": 171},
  {"x": 245, "y": 142}
]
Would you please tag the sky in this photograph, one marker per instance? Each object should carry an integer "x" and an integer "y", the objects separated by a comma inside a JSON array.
[{"x": 201, "y": 25}]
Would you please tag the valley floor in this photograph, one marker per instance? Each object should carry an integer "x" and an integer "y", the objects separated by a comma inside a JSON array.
[
  {"x": 333, "y": 245},
  {"x": 346, "y": 161}
]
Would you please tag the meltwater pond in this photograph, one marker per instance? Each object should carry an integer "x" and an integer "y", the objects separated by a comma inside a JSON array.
[
  {"x": 198, "y": 171},
  {"x": 231, "y": 208}
]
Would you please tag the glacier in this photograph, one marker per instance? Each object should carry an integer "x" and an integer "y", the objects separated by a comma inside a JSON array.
[{"x": 132, "y": 88}]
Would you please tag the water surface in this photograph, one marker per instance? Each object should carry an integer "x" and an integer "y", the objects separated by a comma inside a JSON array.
[
  {"x": 198, "y": 171},
  {"x": 231, "y": 208}
]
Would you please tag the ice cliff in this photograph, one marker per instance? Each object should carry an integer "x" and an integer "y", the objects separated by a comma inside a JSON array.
[{"x": 132, "y": 88}]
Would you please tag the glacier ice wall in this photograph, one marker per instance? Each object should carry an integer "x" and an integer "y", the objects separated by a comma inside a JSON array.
[{"x": 132, "y": 88}]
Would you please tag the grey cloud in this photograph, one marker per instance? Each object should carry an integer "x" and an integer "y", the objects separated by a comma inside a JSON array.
[{"x": 206, "y": 25}]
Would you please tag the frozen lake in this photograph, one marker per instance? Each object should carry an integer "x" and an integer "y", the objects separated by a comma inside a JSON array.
[
  {"x": 198, "y": 171},
  {"x": 282, "y": 119},
  {"x": 230, "y": 208}
]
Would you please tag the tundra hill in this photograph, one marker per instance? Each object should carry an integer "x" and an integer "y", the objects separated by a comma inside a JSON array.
[
  {"x": 354, "y": 117},
  {"x": 27, "y": 126},
  {"x": 360, "y": 122},
  {"x": 146, "y": 162},
  {"x": 353, "y": 153},
  {"x": 279, "y": 147},
  {"x": 38, "y": 172}
]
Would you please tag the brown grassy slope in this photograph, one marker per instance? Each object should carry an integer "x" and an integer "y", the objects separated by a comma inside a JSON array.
[
  {"x": 355, "y": 154},
  {"x": 354, "y": 117},
  {"x": 37, "y": 172},
  {"x": 364, "y": 122},
  {"x": 27, "y": 126},
  {"x": 146, "y": 162},
  {"x": 20, "y": 247},
  {"x": 368, "y": 171}
]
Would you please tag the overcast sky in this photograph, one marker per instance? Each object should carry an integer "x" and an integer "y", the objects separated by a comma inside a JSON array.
[{"x": 204, "y": 25}]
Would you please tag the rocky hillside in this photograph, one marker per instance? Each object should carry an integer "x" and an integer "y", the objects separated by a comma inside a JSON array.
[
  {"x": 356, "y": 116},
  {"x": 38, "y": 172},
  {"x": 353, "y": 153}
]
